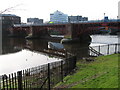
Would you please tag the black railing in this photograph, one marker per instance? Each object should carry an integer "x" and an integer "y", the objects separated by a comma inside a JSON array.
[
  {"x": 47, "y": 76},
  {"x": 104, "y": 49},
  {"x": 42, "y": 77}
]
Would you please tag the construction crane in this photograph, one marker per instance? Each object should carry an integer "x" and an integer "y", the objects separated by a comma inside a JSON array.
[{"x": 8, "y": 9}]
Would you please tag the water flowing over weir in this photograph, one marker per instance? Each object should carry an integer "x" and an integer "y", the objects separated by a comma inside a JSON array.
[
  {"x": 21, "y": 53},
  {"x": 43, "y": 63}
]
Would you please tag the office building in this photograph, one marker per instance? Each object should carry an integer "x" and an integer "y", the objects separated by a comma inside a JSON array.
[
  {"x": 76, "y": 19},
  {"x": 7, "y": 21},
  {"x": 58, "y": 17},
  {"x": 34, "y": 21}
]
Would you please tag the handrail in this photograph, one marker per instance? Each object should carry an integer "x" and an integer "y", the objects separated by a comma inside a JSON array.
[{"x": 94, "y": 51}]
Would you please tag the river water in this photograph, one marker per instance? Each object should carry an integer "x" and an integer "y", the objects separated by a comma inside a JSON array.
[{"x": 18, "y": 54}]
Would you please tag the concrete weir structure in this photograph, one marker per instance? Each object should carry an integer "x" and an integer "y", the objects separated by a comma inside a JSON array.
[{"x": 71, "y": 31}]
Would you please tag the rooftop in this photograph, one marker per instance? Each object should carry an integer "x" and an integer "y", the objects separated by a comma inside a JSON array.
[
  {"x": 57, "y": 12},
  {"x": 8, "y": 15}
]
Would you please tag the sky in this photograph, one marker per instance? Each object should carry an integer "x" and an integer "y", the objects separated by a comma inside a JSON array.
[
  {"x": 119, "y": 10},
  {"x": 93, "y": 9}
]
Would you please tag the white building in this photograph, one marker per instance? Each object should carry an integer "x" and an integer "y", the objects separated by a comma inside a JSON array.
[{"x": 58, "y": 16}]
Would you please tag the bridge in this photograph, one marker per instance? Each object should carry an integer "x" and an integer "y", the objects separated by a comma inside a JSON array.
[{"x": 69, "y": 30}]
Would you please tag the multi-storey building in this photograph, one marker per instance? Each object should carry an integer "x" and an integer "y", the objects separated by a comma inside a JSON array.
[
  {"x": 75, "y": 19},
  {"x": 34, "y": 21},
  {"x": 7, "y": 21},
  {"x": 58, "y": 17}
]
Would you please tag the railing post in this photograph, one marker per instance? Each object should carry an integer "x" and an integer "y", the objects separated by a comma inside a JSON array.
[
  {"x": 62, "y": 71},
  {"x": 75, "y": 60},
  {"x": 66, "y": 66},
  {"x": 0, "y": 81},
  {"x": 66, "y": 55},
  {"x": 12, "y": 80},
  {"x": 115, "y": 48},
  {"x": 6, "y": 78},
  {"x": 3, "y": 82},
  {"x": 108, "y": 49},
  {"x": 19, "y": 76},
  {"x": 9, "y": 81},
  {"x": 99, "y": 48},
  {"x": 48, "y": 76}
]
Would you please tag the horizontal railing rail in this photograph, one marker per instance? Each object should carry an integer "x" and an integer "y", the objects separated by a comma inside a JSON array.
[{"x": 42, "y": 77}]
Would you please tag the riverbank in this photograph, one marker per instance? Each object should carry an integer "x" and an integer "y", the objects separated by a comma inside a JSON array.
[{"x": 101, "y": 72}]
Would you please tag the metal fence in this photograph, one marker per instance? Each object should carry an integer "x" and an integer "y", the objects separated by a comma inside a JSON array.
[
  {"x": 42, "y": 77},
  {"x": 105, "y": 49},
  {"x": 48, "y": 75}
]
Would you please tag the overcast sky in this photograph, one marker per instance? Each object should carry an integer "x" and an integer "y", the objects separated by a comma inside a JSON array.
[{"x": 93, "y": 9}]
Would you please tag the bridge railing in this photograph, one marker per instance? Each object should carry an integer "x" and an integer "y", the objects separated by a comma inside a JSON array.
[{"x": 90, "y": 21}]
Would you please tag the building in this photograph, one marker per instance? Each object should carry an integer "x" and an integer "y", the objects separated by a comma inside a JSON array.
[
  {"x": 34, "y": 21},
  {"x": 58, "y": 17},
  {"x": 75, "y": 19},
  {"x": 84, "y": 18},
  {"x": 106, "y": 18},
  {"x": 7, "y": 21}
]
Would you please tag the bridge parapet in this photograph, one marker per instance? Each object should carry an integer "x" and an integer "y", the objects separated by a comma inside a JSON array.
[{"x": 69, "y": 30}]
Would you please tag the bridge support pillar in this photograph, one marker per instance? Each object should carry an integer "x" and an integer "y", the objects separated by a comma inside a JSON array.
[
  {"x": 85, "y": 38},
  {"x": 36, "y": 32},
  {"x": 73, "y": 36}
]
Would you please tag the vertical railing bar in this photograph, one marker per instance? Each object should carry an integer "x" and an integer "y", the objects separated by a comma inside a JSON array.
[
  {"x": 6, "y": 81},
  {"x": 48, "y": 76},
  {"x": 23, "y": 79},
  {"x": 30, "y": 77},
  {"x": 27, "y": 75},
  {"x": 108, "y": 49},
  {"x": 19, "y": 76},
  {"x": 12, "y": 81},
  {"x": 99, "y": 48},
  {"x": 3, "y": 82},
  {"x": 45, "y": 74},
  {"x": 9, "y": 81},
  {"x": 40, "y": 74},
  {"x": 59, "y": 72},
  {"x": 15, "y": 80},
  {"x": 37, "y": 83},
  {"x": 32, "y": 73},
  {"x": 0, "y": 83},
  {"x": 57, "y": 68},
  {"x": 53, "y": 73},
  {"x": 115, "y": 48}
]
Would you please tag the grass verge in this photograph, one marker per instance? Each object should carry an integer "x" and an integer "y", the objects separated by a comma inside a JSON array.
[{"x": 100, "y": 73}]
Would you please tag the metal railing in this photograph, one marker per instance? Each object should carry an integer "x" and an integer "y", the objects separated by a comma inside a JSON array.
[
  {"x": 42, "y": 77},
  {"x": 106, "y": 49}
]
